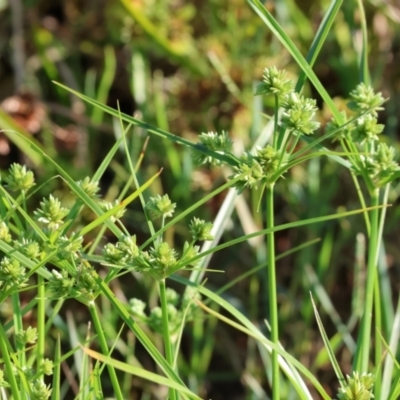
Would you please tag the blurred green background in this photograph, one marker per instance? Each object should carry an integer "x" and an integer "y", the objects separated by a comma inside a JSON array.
[{"x": 191, "y": 67}]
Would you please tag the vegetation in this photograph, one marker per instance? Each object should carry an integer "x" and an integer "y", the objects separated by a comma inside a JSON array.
[{"x": 200, "y": 205}]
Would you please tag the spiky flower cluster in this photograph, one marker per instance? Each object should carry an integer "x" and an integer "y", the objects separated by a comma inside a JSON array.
[
  {"x": 160, "y": 206},
  {"x": 12, "y": 274},
  {"x": 5, "y": 232},
  {"x": 82, "y": 284},
  {"x": 28, "y": 336},
  {"x": 107, "y": 206},
  {"x": 51, "y": 213},
  {"x": 379, "y": 166},
  {"x": 20, "y": 178},
  {"x": 39, "y": 390},
  {"x": 89, "y": 187},
  {"x": 28, "y": 247},
  {"x": 176, "y": 316},
  {"x": 274, "y": 82},
  {"x": 299, "y": 113},
  {"x": 218, "y": 143},
  {"x": 363, "y": 98},
  {"x": 366, "y": 129},
  {"x": 260, "y": 168},
  {"x": 357, "y": 387},
  {"x": 161, "y": 260}
]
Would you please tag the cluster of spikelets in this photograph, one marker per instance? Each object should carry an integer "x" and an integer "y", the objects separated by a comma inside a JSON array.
[
  {"x": 51, "y": 242},
  {"x": 38, "y": 389},
  {"x": 359, "y": 136}
]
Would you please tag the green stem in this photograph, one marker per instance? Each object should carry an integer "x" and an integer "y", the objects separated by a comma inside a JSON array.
[
  {"x": 18, "y": 326},
  {"x": 364, "y": 337},
  {"x": 105, "y": 350},
  {"x": 364, "y": 71},
  {"x": 167, "y": 339},
  {"x": 272, "y": 297},
  {"x": 276, "y": 127},
  {"x": 5, "y": 350},
  {"x": 41, "y": 315},
  {"x": 378, "y": 340}
]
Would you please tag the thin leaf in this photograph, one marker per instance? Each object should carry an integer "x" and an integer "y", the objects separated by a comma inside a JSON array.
[
  {"x": 140, "y": 372},
  {"x": 327, "y": 343}
]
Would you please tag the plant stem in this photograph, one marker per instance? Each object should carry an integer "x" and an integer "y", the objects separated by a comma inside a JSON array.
[
  {"x": 104, "y": 349},
  {"x": 272, "y": 297},
  {"x": 364, "y": 337},
  {"x": 41, "y": 315},
  {"x": 5, "y": 349},
  {"x": 378, "y": 340},
  {"x": 167, "y": 339},
  {"x": 18, "y": 326}
]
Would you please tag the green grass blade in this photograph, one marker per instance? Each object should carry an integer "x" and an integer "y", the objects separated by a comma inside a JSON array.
[
  {"x": 106, "y": 81},
  {"x": 390, "y": 361},
  {"x": 364, "y": 70},
  {"x": 103, "y": 218},
  {"x": 329, "y": 308},
  {"x": 5, "y": 351},
  {"x": 285, "y": 360},
  {"x": 319, "y": 39},
  {"x": 140, "y": 372},
  {"x": 150, "y": 128},
  {"x": 278, "y": 228},
  {"x": 327, "y": 343},
  {"x": 279, "y": 32},
  {"x": 139, "y": 333}
]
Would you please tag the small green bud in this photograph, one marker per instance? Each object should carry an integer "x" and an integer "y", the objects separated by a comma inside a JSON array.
[
  {"x": 89, "y": 187},
  {"x": 112, "y": 254},
  {"x": 47, "y": 367},
  {"x": 12, "y": 273},
  {"x": 137, "y": 308},
  {"x": 357, "y": 387},
  {"x": 5, "y": 232},
  {"x": 28, "y": 247},
  {"x": 107, "y": 206},
  {"x": 86, "y": 282},
  {"x": 128, "y": 247},
  {"x": 200, "y": 229},
  {"x": 27, "y": 336},
  {"x": 189, "y": 252},
  {"x": 172, "y": 296},
  {"x": 162, "y": 259},
  {"x": 219, "y": 143},
  {"x": 61, "y": 284},
  {"x": 363, "y": 98},
  {"x": 274, "y": 82},
  {"x": 298, "y": 114},
  {"x": 20, "y": 178},
  {"x": 69, "y": 246},
  {"x": 51, "y": 213},
  {"x": 367, "y": 129},
  {"x": 39, "y": 390},
  {"x": 251, "y": 173},
  {"x": 160, "y": 207},
  {"x": 381, "y": 165}
]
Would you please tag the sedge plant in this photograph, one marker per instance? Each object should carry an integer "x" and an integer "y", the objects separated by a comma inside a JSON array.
[{"x": 49, "y": 244}]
